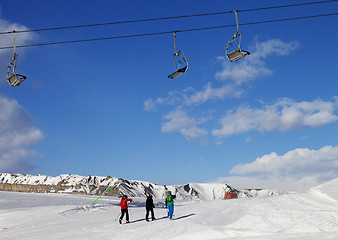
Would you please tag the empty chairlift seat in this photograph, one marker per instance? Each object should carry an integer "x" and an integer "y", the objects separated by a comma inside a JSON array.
[
  {"x": 235, "y": 53},
  {"x": 180, "y": 60},
  {"x": 13, "y": 78}
]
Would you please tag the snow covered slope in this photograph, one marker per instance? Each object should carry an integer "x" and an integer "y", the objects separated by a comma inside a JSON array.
[
  {"x": 93, "y": 185},
  {"x": 329, "y": 189},
  {"x": 312, "y": 215}
]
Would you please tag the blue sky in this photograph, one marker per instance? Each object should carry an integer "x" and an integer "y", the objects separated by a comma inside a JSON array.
[{"x": 108, "y": 108}]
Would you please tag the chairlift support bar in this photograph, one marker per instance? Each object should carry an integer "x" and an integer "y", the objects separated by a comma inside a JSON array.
[
  {"x": 235, "y": 35},
  {"x": 15, "y": 55},
  {"x": 14, "y": 42},
  {"x": 176, "y": 53},
  {"x": 175, "y": 42}
]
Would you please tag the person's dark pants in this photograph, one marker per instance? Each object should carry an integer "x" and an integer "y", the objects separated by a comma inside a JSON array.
[
  {"x": 124, "y": 211},
  {"x": 152, "y": 214}
]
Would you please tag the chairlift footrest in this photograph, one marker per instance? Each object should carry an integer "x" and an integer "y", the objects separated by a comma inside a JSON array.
[{"x": 178, "y": 72}]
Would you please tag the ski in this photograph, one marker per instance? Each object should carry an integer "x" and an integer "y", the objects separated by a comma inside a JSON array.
[{"x": 106, "y": 191}]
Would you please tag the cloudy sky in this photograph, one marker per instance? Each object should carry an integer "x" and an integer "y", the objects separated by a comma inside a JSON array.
[{"x": 108, "y": 108}]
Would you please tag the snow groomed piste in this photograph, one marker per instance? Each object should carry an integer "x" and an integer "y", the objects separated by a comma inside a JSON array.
[{"x": 309, "y": 215}]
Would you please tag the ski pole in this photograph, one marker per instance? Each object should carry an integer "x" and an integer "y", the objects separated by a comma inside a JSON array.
[
  {"x": 117, "y": 216},
  {"x": 107, "y": 191}
]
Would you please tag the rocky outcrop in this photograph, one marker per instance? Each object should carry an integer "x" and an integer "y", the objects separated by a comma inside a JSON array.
[
  {"x": 94, "y": 185},
  {"x": 72, "y": 184}
]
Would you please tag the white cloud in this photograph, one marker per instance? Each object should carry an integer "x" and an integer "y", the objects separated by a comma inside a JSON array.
[
  {"x": 16, "y": 133},
  {"x": 149, "y": 105},
  {"x": 286, "y": 183},
  {"x": 284, "y": 115},
  {"x": 253, "y": 66},
  {"x": 292, "y": 163},
  {"x": 240, "y": 72},
  {"x": 12, "y": 160},
  {"x": 178, "y": 120},
  {"x": 192, "y": 97},
  {"x": 211, "y": 93},
  {"x": 336, "y": 99},
  {"x": 173, "y": 98},
  {"x": 297, "y": 169},
  {"x": 235, "y": 75},
  {"x": 193, "y": 132},
  {"x": 20, "y": 38},
  {"x": 273, "y": 46},
  {"x": 248, "y": 139}
]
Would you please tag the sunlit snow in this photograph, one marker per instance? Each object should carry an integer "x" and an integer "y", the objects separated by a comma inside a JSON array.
[{"x": 308, "y": 215}]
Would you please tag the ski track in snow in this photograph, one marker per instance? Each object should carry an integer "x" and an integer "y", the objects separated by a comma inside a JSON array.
[{"x": 310, "y": 215}]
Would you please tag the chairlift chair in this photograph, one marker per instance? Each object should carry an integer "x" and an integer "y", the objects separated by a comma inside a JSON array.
[
  {"x": 180, "y": 60},
  {"x": 13, "y": 78},
  {"x": 238, "y": 53}
]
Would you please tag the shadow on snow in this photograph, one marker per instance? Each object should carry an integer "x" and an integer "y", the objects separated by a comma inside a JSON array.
[
  {"x": 185, "y": 216},
  {"x": 165, "y": 217}
]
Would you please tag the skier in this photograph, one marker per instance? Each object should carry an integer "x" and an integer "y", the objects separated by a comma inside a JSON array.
[
  {"x": 169, "y": 202},
  {"x": 150, "y": 208},
  {"x": 124, "y": 208}
]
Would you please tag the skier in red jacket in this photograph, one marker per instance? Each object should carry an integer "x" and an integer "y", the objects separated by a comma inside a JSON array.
[{"x": 124, "y": 208}]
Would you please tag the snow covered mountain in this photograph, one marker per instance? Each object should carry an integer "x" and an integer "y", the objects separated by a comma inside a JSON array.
[{"x": 94, "y": 185}]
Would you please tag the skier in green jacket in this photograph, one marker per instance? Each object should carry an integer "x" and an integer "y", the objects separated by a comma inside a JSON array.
[{"x": 169, "y": 203}]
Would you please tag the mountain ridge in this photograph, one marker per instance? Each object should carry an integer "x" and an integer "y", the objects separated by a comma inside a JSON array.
[{"x": 96, "y": 185}]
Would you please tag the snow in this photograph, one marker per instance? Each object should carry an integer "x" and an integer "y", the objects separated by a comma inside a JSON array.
[
  {"x": 90, "y": 185},
  {"x": 66, "y": 179},
  {"x": 308, "y": 215}
]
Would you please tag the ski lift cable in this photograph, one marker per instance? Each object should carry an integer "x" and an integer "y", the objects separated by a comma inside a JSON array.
[
  {"x": 286, "y": 6},
  {"x": 168, "y": 32},
  {"x": 167, "y": 18}
]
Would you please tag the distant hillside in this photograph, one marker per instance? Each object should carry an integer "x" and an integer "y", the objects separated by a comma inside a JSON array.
[{"x": 94, "y": 185}]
